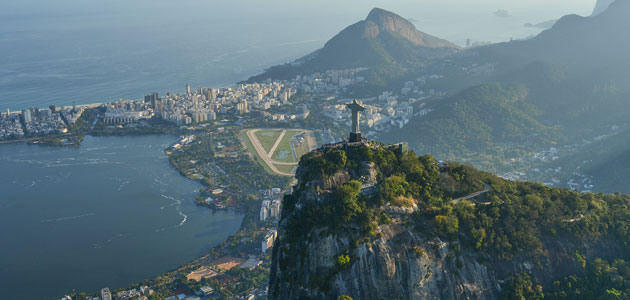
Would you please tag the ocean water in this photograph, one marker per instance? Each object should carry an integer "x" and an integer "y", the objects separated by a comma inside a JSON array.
[
  {"x": 57, "y": 52},
  {"x": 109, "y": 213},
  {"x": 98, "y": 57}
]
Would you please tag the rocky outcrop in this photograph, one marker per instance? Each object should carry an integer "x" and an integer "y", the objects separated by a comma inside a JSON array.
[{"x": 400, "y": 263}]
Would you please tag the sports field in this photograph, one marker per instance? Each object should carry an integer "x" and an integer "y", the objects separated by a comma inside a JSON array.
[
  {"x": 267, "y": 138},
  {"x": 278, "y": 150},
  {"x": 284, "y": 152}
]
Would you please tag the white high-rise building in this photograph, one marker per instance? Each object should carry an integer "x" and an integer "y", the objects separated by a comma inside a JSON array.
[
  {"x": 263, "y": 214},
  {"x": 188, "y": 89},
  {"x": 274, "y": 209},
  {"x": 212, "y": 115},
  {"x": 106, "y": 294},
  {"x": 28, "y": 118}
]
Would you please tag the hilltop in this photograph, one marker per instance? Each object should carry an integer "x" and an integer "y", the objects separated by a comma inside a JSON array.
[
  {"x": 375, "y": 222},
  {"x": 383, "y": 38}
]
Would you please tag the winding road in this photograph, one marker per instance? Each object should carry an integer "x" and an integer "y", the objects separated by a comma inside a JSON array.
[{"x": 473, "y": 195}]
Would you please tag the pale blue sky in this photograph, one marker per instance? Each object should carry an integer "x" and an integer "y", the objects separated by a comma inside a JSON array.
[{"x": 451, "y": 19}]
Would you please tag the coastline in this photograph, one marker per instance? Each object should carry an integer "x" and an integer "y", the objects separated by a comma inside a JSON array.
[
  {"x": 133, "y": 177},
  {"x": 243, "y": 203}
]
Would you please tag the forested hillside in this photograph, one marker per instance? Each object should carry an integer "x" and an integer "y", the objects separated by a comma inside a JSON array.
[{"x": 514, "y": 240}]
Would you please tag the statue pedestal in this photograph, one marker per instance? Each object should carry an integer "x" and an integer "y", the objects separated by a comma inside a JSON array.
[{"x": 355, "y": 137}]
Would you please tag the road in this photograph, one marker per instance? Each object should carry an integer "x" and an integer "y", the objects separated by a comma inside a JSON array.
[
  {"x": 588, "y": 213},
  {"x": 473, "y": 195}
]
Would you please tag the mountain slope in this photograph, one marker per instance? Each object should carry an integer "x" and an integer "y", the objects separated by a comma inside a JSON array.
[
  {"x": 574, "y": 81},
  {"x": 601, "y": 6},
  {"x": 408, "y": 239},
  {"x": 606, "y": 161},
  {"x": 382, "y": 38},
  {"x": 478, "y": 122}
]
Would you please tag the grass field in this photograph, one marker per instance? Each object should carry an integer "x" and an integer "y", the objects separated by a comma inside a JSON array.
[
  {"x": 286, "y": 169},
  {"x": 267, "y": 138},
  {"x": 302, "y": 147},
  {"x": 283, "y": 153},
  {"x": 253, "y": 152}
]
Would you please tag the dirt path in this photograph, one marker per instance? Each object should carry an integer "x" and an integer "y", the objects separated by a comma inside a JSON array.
[{"x": 275, "y": 145}]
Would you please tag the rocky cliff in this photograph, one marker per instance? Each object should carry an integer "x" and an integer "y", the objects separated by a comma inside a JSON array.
[{"x": 366, "y": 248}]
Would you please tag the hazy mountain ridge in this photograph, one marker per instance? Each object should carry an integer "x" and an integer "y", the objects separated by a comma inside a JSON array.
[
  {"x": 572, "y": 40},
  {"x": 601, "y": 6},
  {"x": 572, "y": 90}
]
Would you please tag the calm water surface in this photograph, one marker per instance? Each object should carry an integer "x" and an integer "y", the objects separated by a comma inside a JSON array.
[{"x": 109, "y": 213}]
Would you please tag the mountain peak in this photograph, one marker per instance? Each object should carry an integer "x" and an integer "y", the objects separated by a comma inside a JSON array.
[
  {"x": 382, "y": 39},
  {"x": 377, "y": 15},
  {"x": 380, "y": 20}
]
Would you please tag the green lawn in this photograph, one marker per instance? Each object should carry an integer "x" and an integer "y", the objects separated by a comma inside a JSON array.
[
  {"x": 252, "y": 150},
  {"x": 283, "y": 153},
  {"x": 302, "y": 148},
  {"x": 285, "y": 169},
  {"x": 267, "y": 138}
]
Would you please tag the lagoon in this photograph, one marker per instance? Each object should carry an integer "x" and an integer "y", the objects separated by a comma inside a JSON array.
[{"x": 111, "y": 212}]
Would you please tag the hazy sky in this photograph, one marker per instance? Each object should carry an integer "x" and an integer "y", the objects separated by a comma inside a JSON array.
[{"x": 451, "y": 19}]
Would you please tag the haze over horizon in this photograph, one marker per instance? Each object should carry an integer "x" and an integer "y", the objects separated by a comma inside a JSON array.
[{"x": 453, "y": 19}]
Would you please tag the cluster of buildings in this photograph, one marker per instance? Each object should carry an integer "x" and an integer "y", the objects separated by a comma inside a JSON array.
[
  {"x": 390, "y": 110},
  {"x": 270, "y": 211},
  {"x": 271, "y": 205},
  {"x": 43, "y": 122},
  {"x": 203, "y": 104},
  {"x": 127, "y": 111},
  {"x": 10, "y": 126},
  {"x": 327, "y": 82},
  {"x": 37, "y": 122},
  {"x": 386, "y": 114},
  {"x": 142, "y": 293}
]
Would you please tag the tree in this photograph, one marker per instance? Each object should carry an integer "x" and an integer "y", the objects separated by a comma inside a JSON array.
[
  {"x": 447, "y": 224},
  {"x": 521, "y": 287},
  {"x": 346, "y": 201},
  {"x": 343, "y": 261}
]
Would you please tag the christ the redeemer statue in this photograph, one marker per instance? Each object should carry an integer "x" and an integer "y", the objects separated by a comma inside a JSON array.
[{"x": 355, "y": 134}]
